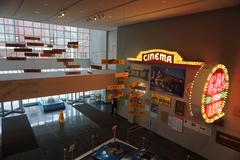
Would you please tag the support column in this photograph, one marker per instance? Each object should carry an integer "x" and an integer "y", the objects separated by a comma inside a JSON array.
[{"x": 107, "y": 39}]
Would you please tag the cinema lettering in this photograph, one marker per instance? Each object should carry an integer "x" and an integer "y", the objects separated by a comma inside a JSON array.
[
  {"x": 162, "y": 56},
  {"x": 158, "y": 56}
]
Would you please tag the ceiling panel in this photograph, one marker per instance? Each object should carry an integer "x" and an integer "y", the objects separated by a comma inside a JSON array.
[
  {"x": 144, "y": 11},
  {"x": 9, "y": 7},
  {"x": 117, "y": 12},
  {"x": 41, "y": 10},
  {"x": 86, "y": 8}
]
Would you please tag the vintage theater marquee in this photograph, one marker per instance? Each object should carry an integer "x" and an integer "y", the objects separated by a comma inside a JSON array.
[{"x": 162, "y": 56}]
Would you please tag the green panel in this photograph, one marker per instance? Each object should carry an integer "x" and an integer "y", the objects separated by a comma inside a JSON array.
[{"x": 208, "y": 100}]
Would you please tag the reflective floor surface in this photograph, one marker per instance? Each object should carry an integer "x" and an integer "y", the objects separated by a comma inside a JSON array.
[{"x": 52, "y": 137}]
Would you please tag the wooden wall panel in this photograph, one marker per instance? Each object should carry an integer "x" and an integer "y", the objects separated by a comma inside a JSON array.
[
  {"x": 96, "y": 67},
  {"x": 15, "y": 45},
  {"x": 31, "y": 70},
  {"x": 16, "y": 58},
  {"x": 22, "y": 49},
  {"x": 30, "y": 54},
  {"x": 35, "y": 44},
  {"x": 32, "y": 38},
  {"x": 72, "y": 66},
  {"x": 65, "y": 60}
]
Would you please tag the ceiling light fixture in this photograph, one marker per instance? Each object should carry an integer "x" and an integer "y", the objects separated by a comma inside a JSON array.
[
  {"x": 36, "y": 12},
  {"x": 61, "y": 14},
  {"x": 96, "y": 17}
]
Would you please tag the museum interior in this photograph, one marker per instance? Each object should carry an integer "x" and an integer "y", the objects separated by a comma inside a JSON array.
[{"x": 119, "y": 79}]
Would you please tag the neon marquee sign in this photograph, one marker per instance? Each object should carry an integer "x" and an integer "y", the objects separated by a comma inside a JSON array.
[
  {"x": 163, "y": 56},
  {"x": 214, "y": 94}
]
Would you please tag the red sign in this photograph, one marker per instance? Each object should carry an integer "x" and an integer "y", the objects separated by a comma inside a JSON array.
[
  {"x": 216, "y": 83},
  {"x": 214, "y": 94}
]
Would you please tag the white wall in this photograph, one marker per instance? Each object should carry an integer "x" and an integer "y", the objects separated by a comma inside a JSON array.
[
  {"x": 97, "y": 46},
  {"x": 112, "y": 47}
]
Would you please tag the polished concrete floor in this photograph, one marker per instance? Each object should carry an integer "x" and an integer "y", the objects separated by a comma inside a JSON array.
[{"x": 52, "y": 137}]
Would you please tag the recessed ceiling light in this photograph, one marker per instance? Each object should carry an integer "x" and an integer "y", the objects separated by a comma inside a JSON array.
[{"x": 36, "y": 12}]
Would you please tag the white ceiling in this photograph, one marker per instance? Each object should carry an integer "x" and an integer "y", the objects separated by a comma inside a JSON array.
[{"x": 117, "y": 12}]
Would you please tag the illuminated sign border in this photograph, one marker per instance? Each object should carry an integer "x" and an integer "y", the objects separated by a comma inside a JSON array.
[
  {"x": 203, "y": 105},
  {"x": 176, "y": 57}
]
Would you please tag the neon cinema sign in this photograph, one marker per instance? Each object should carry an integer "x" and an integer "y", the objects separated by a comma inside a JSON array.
[
  {"x": 162, "y": 56},
  {"x": 215, "y": 94}
]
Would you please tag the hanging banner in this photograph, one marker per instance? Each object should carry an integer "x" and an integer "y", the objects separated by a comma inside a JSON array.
[
  {"x": 161, "y": 100},
  {"x": 96, "y": 67},
  {"x": 72, "y": 45},
  {"x": 116, "y": 87},
  {"x": 113, "y": 61},
  {"x": 121, "y": 75}
]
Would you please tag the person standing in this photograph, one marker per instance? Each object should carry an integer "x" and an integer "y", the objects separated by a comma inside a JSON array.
[{"x": 114, "y": 105}]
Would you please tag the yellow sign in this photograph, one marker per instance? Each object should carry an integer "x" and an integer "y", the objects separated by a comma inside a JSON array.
[
  {"x": 113, "y": 61},
  {"x": 161, "y": 100},
  {"x": 134, "y": 84},
  {"x": 116, "y": 95},
  {"x": 121, "y": 74},
  {"x": 116, "y": 87},
  {"x": 163, "y": 56},
  {"x": 137, "y": 87},
  {"x": 134, "y": 95}
]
